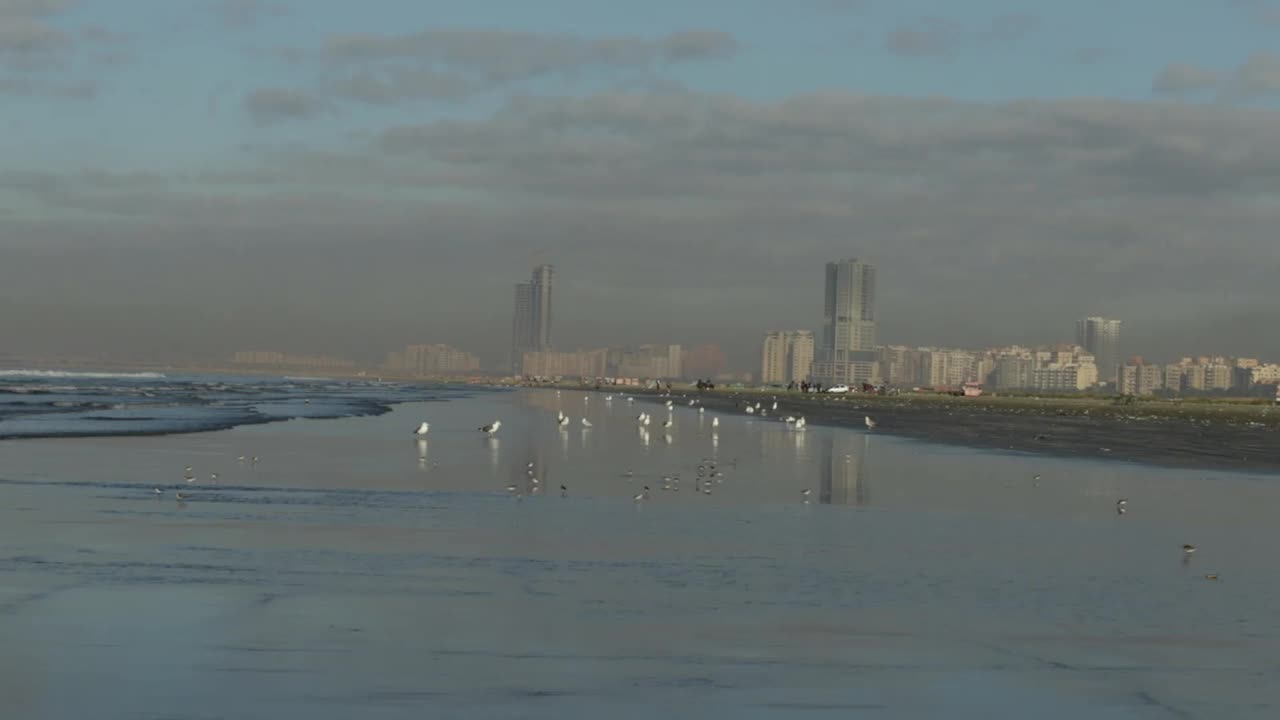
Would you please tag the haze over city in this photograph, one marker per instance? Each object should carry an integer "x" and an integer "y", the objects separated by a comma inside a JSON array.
[{"x": 186, "y": 179}]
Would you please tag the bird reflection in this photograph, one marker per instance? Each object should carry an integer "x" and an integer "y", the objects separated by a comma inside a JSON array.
[
  {"x": 422, "y": 453},
  {"x": 843, "y": 471}
]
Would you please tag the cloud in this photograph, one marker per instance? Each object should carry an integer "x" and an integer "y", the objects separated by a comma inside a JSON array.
[
  {"x": 674, "y": 202},
  {"x": 1258, "y": 77},
  {"x": 451, "y": 64},
  {"x": 1181, "y": 78},
  {"x": 1262, "y": 12},
  {"x": 245, "y": 14},
  {"x": 933, "y": 37},
  {"x": 268, "y": 105}
]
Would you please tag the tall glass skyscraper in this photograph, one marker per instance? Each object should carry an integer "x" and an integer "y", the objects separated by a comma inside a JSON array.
[
  {"x": 531, "y": 325},
  {"x": 847, "y": 353},
  {"x": 1101, "y": 337}
]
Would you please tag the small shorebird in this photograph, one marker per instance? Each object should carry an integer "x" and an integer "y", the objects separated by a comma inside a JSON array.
[
  {"x": 750, "y": 410},
  {"x": 641, "y": 496},
  {"x": 423, "y": 429},
  {"x": 775, "y": 404},
  {"x": 586, "y": 423},
  {"x": 1211, "y": 576},
  {"x": 158, "y": 492},
  {"x": 805, "y": 493},
  {"x": 179, "y": 496},
  {"x": 800, "y": 423},
  {"x": 667, "y": 423},
  {"x": 701, "y": 409},
  {"x": 562, "y": 421},
  {"x": 870, "y": 423},
  {"x": 492, "y": 427},
  {"x": 240, "y": 459},
  {"x": 213, "y": 476},
  {"x": 1188, "y": 549}
]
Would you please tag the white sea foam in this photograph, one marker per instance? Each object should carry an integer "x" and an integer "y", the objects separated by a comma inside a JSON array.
[{"x": 94, "y": 375}]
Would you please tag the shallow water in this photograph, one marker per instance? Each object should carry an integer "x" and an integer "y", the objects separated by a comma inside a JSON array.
[{"x": 354, "y": 571}]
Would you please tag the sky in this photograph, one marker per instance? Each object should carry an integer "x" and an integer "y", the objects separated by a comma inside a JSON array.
[{"x": 186, "y": 178}]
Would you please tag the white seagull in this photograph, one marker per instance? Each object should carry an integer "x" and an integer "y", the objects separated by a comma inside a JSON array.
[
  {"x": 423, "y": 429},
  {"x": 870, "y": 423},
  {"x": 667, "y": 423},
  {"x": 788, "y": 419},
  {"x": 800, "y": 424},
  {"x": 492, "y": 427},
  {"x": 751, "y": 410},
  {"x": 715, "y": 422},
  {"x": 563, "y": 421},
  {"x": 586, "y": 423},
  {"x": 701, "y": 409}
]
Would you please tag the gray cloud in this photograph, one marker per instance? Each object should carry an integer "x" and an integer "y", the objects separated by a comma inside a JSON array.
[
  {"x": 245, "y": 14},
  {"x": 942, "y": 36},
  {"x": 1181, "y": 78},
  {"x": 455, "y": 63},
  {"x": 267, "y": 105},
  {"x": 1258, "y": 77},
  {"x": 666, "y": 212},
  {"x": 39, "y": 57}
]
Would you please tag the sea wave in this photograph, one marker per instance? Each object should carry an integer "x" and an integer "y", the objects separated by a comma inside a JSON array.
[{"x": 70, "y": 374}]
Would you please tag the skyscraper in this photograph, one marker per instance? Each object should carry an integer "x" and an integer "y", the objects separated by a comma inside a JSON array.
[
  {"x": 540, "y": 299},
  {"x": 1101, "y": 337},
  {"x": 531, "y": 326},
  {"x": 847, "y": 351},
  {"x": 786, "y": 357}
]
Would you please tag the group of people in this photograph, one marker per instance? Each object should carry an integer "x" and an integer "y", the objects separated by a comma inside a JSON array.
[{"x": 804, "y": 386}]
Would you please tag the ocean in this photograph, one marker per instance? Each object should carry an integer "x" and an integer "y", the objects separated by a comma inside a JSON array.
[{"x": 357, "y": 570}]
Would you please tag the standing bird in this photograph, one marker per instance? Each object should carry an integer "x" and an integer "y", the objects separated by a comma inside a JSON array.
[
  {"x": 715, "y": 422},
  {"x": 564, "y": 491},
  {"x": 871, "y": 424},
  {"x": 701, "y": 409},
  {"x": 586, "y": 423},
  {"x": 800, "y": 423},
  {"x": 667, "y": 423},
  {"x": 423, "y": 429},
  {"x": 750, "y": 410},
  {"x": 492, "y": 427},
  {"x": 563, "y": 421},
  {"x": 642, "y": 495},
  {"x": 805, "y": 494}
]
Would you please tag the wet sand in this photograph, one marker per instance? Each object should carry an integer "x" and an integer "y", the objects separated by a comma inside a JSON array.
[
  {"x": 1207, "y": 437},
  {"x": 357, "y": 571}
]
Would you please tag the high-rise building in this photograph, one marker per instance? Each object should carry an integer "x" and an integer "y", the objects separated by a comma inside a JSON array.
[
  {"x": 1101, "y": 337},
  {"x": 786, "y": 357},
  {"x": 540, "y": 300},
  {"x": 847, "y": 353},
  {"x": 531, "y": 324}
]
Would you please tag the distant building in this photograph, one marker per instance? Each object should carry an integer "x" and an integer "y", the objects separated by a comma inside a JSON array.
[
  {"x": 1101, "y": 337},
  {"x": 1013, "y": 373},
  {"x": 1264, "y": 374},
  {"x": 847, "y": 351},
  {"x": 432, "y": 360},
  {"x": 274, "y": 359},
  {"x": 552, "y": 364},
  {"x": 704, "y": 361},
  {"x": 786, "y": 357},
  {"x": 646, "y": 361},
  {"x": 1141, "y": 379},
  {"x": 531, "y": 322}
]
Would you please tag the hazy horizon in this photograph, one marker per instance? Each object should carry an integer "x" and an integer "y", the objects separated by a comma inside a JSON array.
[{"x": 187, "y": 179}]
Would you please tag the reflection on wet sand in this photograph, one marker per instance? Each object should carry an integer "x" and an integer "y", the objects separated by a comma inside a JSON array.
[{"x": 843, "y": 470}]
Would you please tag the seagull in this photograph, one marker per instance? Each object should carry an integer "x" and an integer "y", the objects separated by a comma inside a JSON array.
[
  {"x": 701, "y": 409},
  {"x": 647, "y": 419},
  {"x": 715, "y": 422},
  {"x": 190, "y": 479},
  {"x": 1188, "y": 549},
  {"x": 669, "y": 404},
  {"x": 586, "y": 423},
  {"x": 158, "y": 491},
  {"x": 692, "y": 403},
  {"x": 253, "y": 460},
  {"x": 870, "y": 423},
  {"x": 564, "y": 491},
  {"x": 775, "y": 404},
  {"x": 512, "y": 489},
  {"x": 179, "y": 496},
  {"x": 805, "y": 494},
  {"x": 667, "y": 423},
  {"x": 240, "y": 459},
  {"x": 564, "y": 420},
  {"x": 788, "y": 419},
  {"x": 642, "y": 495},
  {"x": 800, "y": 423},
  {"x": 213, "y": 476},
  {"x": 422, "y": 429},
  {"x": 492, "y": 427},
  {"x": 750, "y": 410}
]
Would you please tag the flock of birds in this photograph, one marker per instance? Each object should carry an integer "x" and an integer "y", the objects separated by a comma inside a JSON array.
[{"x": 708, "y": 473}]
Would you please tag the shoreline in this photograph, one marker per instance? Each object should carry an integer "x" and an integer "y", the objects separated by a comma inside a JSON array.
[{"x": 1234, "y": 437}]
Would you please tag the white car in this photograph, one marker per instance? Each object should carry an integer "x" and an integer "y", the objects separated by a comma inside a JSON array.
[{"x": 838, "y": 389}]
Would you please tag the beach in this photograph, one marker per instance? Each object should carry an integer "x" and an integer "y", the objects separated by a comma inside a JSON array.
[{"x": 356, "y": 570}]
